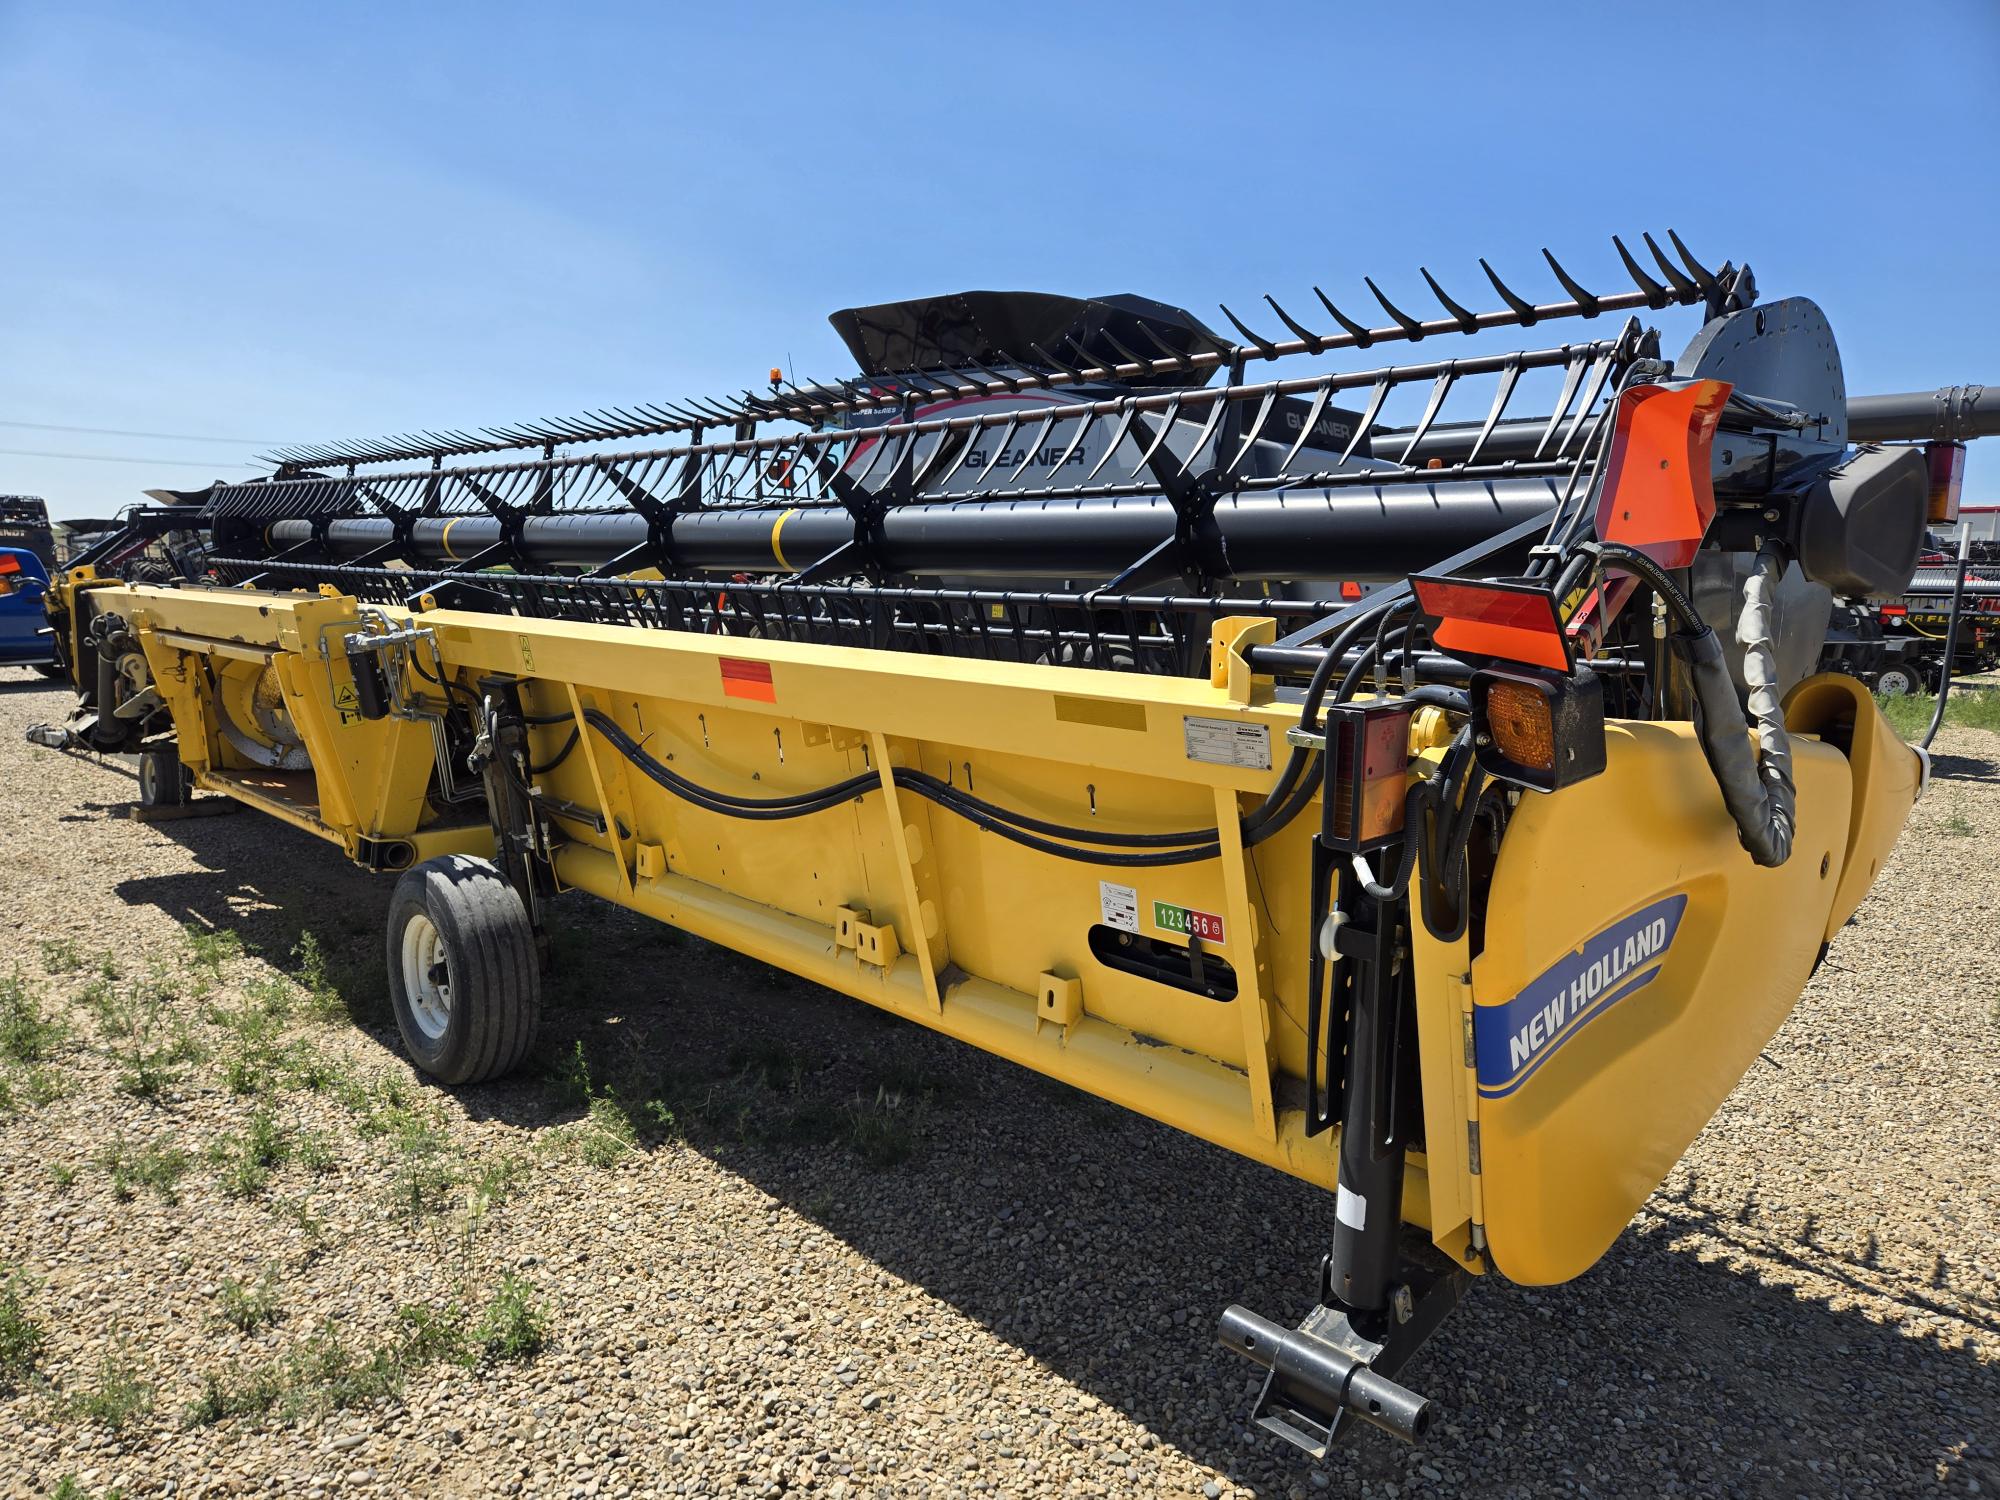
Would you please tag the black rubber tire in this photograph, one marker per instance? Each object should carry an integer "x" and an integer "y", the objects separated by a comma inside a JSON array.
[
  {"x": 163, "y": 781},
  {"x": 491, "y": 965}
]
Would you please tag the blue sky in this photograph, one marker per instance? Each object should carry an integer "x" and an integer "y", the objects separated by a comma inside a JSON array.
[{"x": 258, "y": 223}]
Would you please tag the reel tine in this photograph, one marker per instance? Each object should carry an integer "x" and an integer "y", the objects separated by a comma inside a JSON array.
[
  {"x": 1049, "y": 359},
  {"x": 1013, "y": 386},
  {"x": 1263, "y": 345},
  {"x": 1656, "y": 295},
  {"x": 1127, "y": 412},
  {"x": 1467, "y": 322},
  {"x": 1412, "y": 329},
  {"x": 1362, "y": 337},
  {"x": 923, "y": 474},
  {"x": 1572, "y": 373},
  {"x": 1181, "y": 361},
  {"x": 959, "y": 458},
  {"x": 1083, "y": 426},
  {"x": 1029, "y": 451},
  {"x": 1320, "y": 398},
  {"x": 1668, "y": 269},
  {"x": 1375, "y": 399},
  {"x": 1510, "y": 375},
  {"x": 1586, "y": 304},
  {"x": 1313, "y": 342},
  {"x": 1707, "y": 280},
  {"x": 1167, "y": 420},
  {"x": 1440, "y": 388},
  {"x": 1524, "y": 311},
  {"x": 1216, "y": 408},
  {"x": 1264, "y": 410},
  {"x": 1130, "y": 356},
  {"x": 1600, "y": 371}
]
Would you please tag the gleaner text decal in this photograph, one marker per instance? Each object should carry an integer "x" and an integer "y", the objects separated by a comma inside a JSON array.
[{"x": 1512, "y": 1040}]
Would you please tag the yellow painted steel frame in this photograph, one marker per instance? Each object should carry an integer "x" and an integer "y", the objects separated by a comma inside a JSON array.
[{"x": 892, "y": 900}]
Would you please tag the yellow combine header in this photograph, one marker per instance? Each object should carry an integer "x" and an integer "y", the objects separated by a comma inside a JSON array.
[{"x": 1452, "y": 834}]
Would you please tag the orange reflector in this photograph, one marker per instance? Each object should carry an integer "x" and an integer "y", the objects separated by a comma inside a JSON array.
[
  {"x": 1659, "y": 493},
  {"x": 1495, "y": 621},
  {"x": 1350, "y": 590},
  {"x": 1518, "y": 717},
  {"x": 748, "y": 679},
  {"x": 1946, "y": 462}
]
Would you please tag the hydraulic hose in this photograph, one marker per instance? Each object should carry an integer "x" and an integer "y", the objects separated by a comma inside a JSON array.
[
  {"x": 1950, "y": 641},
  {"x": 1757, "y": 787}
]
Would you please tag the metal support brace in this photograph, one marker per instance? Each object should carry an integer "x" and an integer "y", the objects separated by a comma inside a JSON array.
[
  {"x": 597, "y": 783},
  {"x": 899, "y": 840},
  {"x": 1254, "y": 970}
]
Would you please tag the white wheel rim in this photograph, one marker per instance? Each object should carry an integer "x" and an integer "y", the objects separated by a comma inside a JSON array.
[
  {"x": 1893, "y": 682},
  {"x": 426, "y": 979}
]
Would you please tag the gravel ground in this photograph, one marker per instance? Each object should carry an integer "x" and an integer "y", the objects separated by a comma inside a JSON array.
[{"x": 738, "y": 1235}]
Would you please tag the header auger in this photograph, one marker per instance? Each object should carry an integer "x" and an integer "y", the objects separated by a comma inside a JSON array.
[{"x": 1412, "y": 777}]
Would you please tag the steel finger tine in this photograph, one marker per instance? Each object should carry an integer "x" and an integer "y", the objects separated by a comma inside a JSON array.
[
  {"x": 1313, "y": 342},
  {"x": 1264, "y": 411},
  {"x": 992, "y": 465},
  {"x": 1083, "y": 425},
  {"x": 1510, "y": 375},
  {"x": 1412, "y": 329},
  {"x": 1320, "y": 398},
  {"x": 1263, "y": 345},
  {"x": 1362, "y": 336},
  {"x": 1655, "y": 294},
  {"x": 1049, "y": 359},
  {"x": 1587, "y": 305},
  {"x": 1524, "y": 310},
  {"x": 1600, "y": 371},
  {"x": 1178, "y": 356},
  {"x": 971, "y": 436},
  {"x": 1215, "y": 410},
  {"x": 1468, "y": 322},
  {"x": 1167, "y": 420},
  {"x": 923, "y": 474},
  {"x": 1439, "y": 389},
  {"x": 1703, "y": 277},
  {"x": 1375, "y": 399},
  {"x": 1032, "y": 447},
  {"x": 1668, "y": 269},
  {"x": 1572, "y": 374},
  {"x": 1128, "y": 410}
]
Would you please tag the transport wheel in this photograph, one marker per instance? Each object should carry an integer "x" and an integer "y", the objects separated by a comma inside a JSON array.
[
  {"x": 464, "y": 978},
  {"x": 163, "y": 781},
  {"x": 1895, "y": 682}
]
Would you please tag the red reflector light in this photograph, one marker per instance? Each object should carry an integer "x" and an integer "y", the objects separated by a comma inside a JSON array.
[
  {"x": 1894, "y": 611},
  {"x": 1367, "y": 763},
  {"x": 9, "y": 563},
  {"x": 1493, "y": 621},
  {"x": 1946, "y": 462},
  {"x": 1659, "y": 493},
  {"x": 1350, "y": 590}
]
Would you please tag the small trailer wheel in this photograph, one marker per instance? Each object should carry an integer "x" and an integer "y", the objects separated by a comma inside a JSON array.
[
  {"x": 163, "y": 781},
  {"x": 1895, "y": 682},
  {"x": 464, "y": 977}
]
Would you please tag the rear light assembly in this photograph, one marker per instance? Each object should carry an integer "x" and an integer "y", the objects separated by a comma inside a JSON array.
[
  {"x": 1946, "y": 462},
  {"x": 1366, "y": 765},
  {"x": 1540, "y": 729}
]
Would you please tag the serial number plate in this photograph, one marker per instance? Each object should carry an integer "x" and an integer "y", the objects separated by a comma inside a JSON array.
[{"x": 1225, "y": 742}]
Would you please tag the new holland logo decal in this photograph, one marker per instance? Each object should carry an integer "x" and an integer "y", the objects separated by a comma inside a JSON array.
[{"x": 1512, "y": 1040}]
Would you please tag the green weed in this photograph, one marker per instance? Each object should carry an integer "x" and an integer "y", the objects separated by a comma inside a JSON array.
[
  {"x": 159, "y": 1168},
  {"x": 211, "y": 947},
  {"x": 26, "y": 1035},
  {"x": 119, "y": 1396},
  {"x": 61, "y": 955},
  {"x": 247, "y": 1306},
  {"x": 21, "y": 1337}
]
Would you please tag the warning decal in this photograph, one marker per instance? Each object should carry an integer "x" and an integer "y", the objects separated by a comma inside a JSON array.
[{"x": 1119, "y": 904}]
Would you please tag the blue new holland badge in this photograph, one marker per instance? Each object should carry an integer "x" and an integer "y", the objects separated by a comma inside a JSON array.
[{"x": 1512, "y": 1040}]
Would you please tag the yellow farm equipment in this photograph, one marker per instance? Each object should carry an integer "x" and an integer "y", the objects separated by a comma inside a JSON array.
[{"x": 1441, "y": 813}]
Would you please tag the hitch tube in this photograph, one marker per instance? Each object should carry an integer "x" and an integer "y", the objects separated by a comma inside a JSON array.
[{"x": 1313, "y": 1381}]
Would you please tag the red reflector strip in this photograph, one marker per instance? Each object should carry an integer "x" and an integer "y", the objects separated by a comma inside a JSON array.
[
  {"x": 1503, "y": 622},
  {"x": 9, "y": 563},
  {"x": 747, "y": 679}
]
